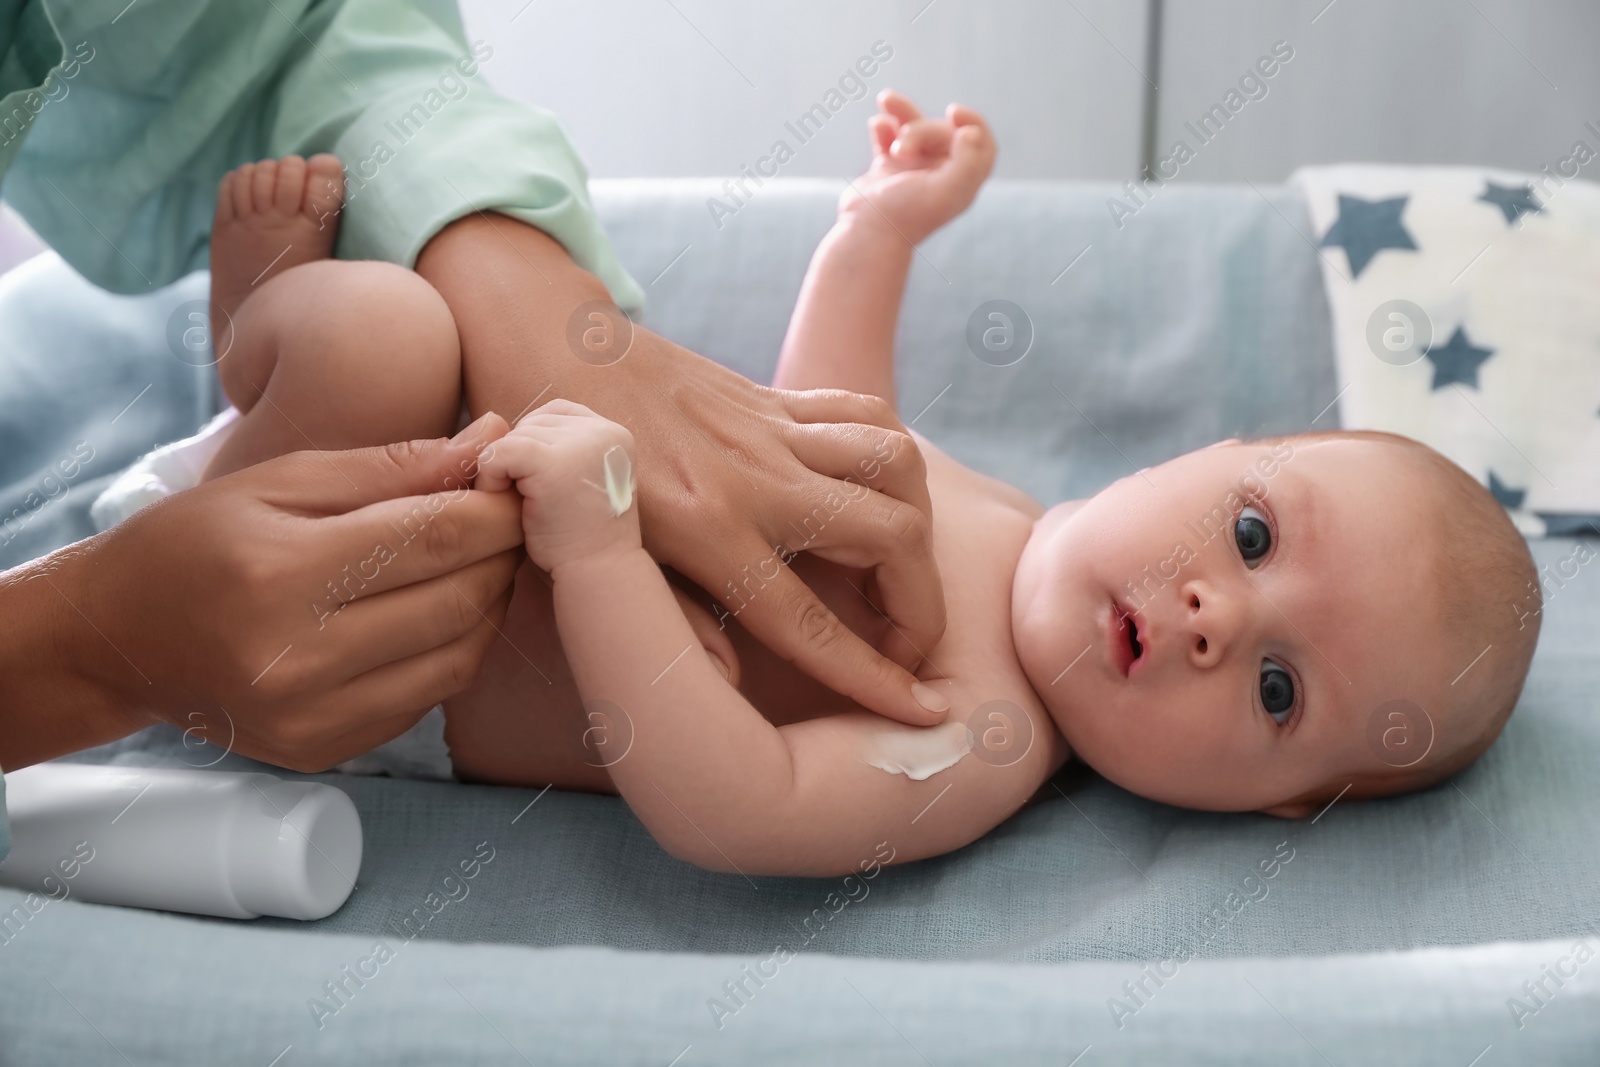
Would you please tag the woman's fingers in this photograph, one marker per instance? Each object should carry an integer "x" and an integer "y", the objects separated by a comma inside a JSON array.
[
  {"x": 295, "y": 732},
  {"x": 879, "y": 517},
  {"x": 838, "y": 405},
  {"x": 885, "y": 460},
  {"x": 414, "y": 539},
  {"x": 331, "y": 483},
  {"x": 894, "y": 540},
  {"x": 325, "y": 753},
  {"x": 422, "y": 681},
  {"x": 785, "y": 615},
  {"x": 359, "y": 634}
]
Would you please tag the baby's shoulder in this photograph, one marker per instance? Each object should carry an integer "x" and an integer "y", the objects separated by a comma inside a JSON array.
[
  {"x": 1015, "y": 746},
  {"x": 949, "y": 477}
]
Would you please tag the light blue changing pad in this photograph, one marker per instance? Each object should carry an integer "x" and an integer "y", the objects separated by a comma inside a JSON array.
[{"x": 582, "y": 942}]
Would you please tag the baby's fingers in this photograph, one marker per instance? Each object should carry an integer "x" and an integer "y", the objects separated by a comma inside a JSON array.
[
  {"x": 882, "y": 128},
  {"x": 898, "y": 105},
  {"x": 512, "y": 457},
  {"x": 972, "y": 152},
  {"x": 962, "y": 115},
  {"x": 973, "y": 138},
  {"x": 922, "y": 141},
  {"x": 974, "y": 147}
]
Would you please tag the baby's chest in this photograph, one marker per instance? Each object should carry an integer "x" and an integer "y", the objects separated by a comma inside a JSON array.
[{"x": 975, "y": 550}]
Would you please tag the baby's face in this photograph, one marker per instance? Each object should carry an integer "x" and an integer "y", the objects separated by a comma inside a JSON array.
[{"x": 1218, "y": 632}]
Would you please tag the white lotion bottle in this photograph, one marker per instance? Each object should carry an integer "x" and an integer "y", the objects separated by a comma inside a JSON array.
[{"x": 238, "y": 845}]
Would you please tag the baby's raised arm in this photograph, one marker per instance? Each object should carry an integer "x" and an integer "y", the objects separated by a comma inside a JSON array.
[
  {"x": 924, "y": 173},
  {"x": 714, "y": 782}
]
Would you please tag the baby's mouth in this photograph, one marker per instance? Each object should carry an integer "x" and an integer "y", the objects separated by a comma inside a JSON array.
[{"x": 1126, "y": 648}]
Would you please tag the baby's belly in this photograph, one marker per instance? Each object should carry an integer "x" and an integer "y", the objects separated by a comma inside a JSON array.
[{"x": 522, "y": 720}]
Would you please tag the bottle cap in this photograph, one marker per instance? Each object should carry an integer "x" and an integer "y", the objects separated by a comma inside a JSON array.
[{"x": 295, "y": 851}]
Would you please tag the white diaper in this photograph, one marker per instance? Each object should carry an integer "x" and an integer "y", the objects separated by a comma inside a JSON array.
[
  {"x": 169, "y": 469},
  {"x": 175, "y": 467},
  {"x": 420, "y": 752}
]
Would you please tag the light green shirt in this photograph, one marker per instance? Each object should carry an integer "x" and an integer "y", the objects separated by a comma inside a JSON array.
[{"x": 118, "y": 119}]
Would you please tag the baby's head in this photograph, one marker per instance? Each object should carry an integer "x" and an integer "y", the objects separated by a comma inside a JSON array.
[{"x": 1257, "y": 626}]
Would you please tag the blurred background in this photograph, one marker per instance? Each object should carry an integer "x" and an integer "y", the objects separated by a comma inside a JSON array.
[
  {"x": 1074, "y": 88},
  {"x": 1092, "y": 89}
]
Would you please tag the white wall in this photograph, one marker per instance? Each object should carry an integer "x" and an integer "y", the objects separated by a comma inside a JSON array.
[
  {"x": 1496, "y": 82},
  {"x": 699, "y": 87}
]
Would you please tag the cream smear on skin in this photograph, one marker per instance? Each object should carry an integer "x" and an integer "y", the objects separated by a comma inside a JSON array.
[
  {"x": 918, "y": 752},
  {"x": 619, "y": 480}
]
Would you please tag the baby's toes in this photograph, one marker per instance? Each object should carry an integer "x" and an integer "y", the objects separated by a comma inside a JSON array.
[
  {"x": 238, "y": 184},
  {"x": 224, "y": 199},
  {"x": 324, "y": 186},
  {"x": 263, "y": 186},
  {"x": 290, "y": 190}
]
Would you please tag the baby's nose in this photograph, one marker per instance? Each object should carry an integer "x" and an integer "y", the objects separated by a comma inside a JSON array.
[{"x": 1210, "y": 622}]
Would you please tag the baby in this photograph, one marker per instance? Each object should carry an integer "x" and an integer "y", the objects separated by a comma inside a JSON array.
[{"x": 1259, "y": 626}]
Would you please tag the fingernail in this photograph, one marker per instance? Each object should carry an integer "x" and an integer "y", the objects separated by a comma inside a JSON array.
[
  {"x": 930, "y": 698},
  {"x": 472, "y": 430},
  {"x": 719, "y": 665}
]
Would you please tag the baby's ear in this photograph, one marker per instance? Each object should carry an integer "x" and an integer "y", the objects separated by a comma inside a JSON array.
[{"x": 1294, "y": 809}]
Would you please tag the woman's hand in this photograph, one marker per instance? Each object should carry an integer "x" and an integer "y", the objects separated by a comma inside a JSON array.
[
  {"x": 733, "y": 477},
  {"x": 309, "y": 608}
]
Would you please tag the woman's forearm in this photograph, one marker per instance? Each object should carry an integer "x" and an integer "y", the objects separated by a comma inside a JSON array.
[
  {"x": 841, "y": 335},
  {"x": 513, "y": 290},
  {"x": 50, "y": 704},
  {"x": 704, "y": 769}
]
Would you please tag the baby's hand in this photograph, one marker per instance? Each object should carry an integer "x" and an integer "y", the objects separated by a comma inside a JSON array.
[
  {"x": 924, "y": 171},
  {"x": 574, "y": 470}
]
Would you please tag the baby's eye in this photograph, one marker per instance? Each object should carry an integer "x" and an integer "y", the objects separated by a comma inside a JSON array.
[
  {"x": 1277, "y": 691},
  {"x": 1253, "y": 536}
]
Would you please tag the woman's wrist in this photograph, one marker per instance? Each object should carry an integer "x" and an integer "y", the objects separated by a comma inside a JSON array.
[
  {"x": 515, "y": 292},
  {"x": 51, "y": 702}
]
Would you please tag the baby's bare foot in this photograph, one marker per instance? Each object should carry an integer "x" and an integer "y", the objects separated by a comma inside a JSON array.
[{"x": 271, "y": 216}]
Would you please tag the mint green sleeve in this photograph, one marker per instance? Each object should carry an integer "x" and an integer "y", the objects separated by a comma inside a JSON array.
[{"x": 120, "y": 120}]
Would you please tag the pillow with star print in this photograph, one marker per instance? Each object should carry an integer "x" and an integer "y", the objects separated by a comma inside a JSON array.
[{"x": 1465, "y": 316}]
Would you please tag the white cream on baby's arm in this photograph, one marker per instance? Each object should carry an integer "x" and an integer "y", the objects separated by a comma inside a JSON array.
[
  {"x": 719, "y": 786},
  {"x": 918, "y": 752}
]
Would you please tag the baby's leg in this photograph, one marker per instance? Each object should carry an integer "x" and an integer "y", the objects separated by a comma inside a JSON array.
[{"x": 318, "y": 353}]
